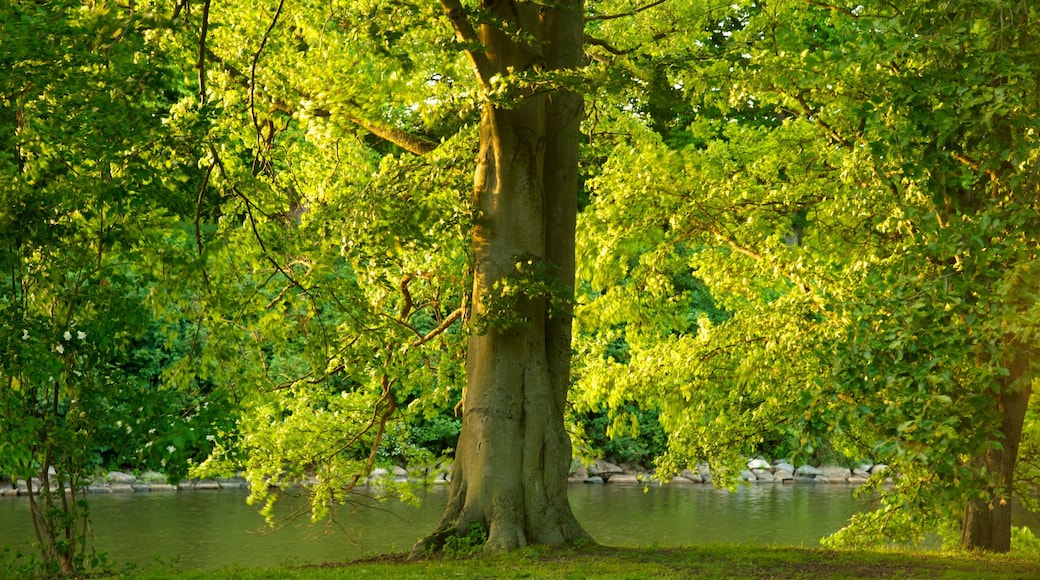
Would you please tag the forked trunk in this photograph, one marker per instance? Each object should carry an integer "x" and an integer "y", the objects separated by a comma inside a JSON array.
[
  {"x": 513, "y": 455},
  {"x": 987, "y": 520}
]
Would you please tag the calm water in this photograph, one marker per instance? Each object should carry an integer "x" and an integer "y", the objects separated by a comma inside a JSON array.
[{"x": 207, "y": 529}]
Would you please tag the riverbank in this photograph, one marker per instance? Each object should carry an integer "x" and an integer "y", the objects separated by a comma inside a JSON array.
[
  {"x": 723, "y": 561},
  {"x": 599, "y": 471}
]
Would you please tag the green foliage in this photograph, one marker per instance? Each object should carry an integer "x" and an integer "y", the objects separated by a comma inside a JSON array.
[
  {"x": 630, "y": 435},
  {"x": 858, "y": 183},
  {"x": 91, "y": 192},
  {"x": 465, "y": 546},
  {"x": 532, "y": 279}
]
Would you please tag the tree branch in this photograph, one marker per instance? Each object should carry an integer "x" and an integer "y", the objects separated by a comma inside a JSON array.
[
  {"x": 467, "y": 35},
  {"x": 202, "y": 52},
  {"x": 637, "y": 10},
  {"x": 252, "y": 74},
  {"x": 415, "y": 144},
  {"x": 457, "y": 314}
]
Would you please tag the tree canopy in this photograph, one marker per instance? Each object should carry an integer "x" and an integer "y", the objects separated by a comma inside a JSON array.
[{"x": 300, "y": 230}]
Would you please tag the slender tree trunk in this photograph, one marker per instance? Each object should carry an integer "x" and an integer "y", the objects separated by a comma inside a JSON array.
[
  {"x": 987, "y": 520},
  {"x": 513, "y": 455}
]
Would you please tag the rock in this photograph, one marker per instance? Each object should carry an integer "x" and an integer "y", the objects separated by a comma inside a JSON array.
[
  {"x": 860, "y": 472},
  {"x": 603, "y": 467},
  {"x": 680, "y": 480},
  {"x": 821, "y": 479},
  {"x": 746, "y": 475},
  {"x": 804, "y": 479},
  {"x": 783, "y": 465},
  {"x": 808, "y": 471},
  {"x": 399, "y": 471},
  {"x": 835, "y": 473},
  {"x": 624, "y": 478},
  {"x": 783, "y": 475},
  {"x": 759, "y": 463},
  {"x": 99, "y": 488},
  {"x": 877, "y": 468},
  {"x": 856, "y": 479},
  {"x": 763, "y": 475},
  {"x": 120, "y": 488},
  {"x": 231, "y": 482},
  {"x": 206, "y": 484},
  {"x": 141, "y": 487},
  {"x": 692, "y": 476},
  {"x": 378, "y": 475},
  {"x": 120, "y": 477},
  {"x": 161, "y": 487},
  {"x": 152, "y": 477},
  {"x": 595, "y": 479},
  {"x": 580, "y": 472}
]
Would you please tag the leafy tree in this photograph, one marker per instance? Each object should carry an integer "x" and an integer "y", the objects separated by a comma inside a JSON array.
[
  {"x": 861, "y": 193},
  {"x": 89, "y": 199}
]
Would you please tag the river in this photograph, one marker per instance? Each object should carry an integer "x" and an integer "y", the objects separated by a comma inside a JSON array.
[{"x": 209, "y": 529}]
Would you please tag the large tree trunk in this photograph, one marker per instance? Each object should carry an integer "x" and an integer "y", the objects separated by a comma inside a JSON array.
[
  {"x": 987, "y": 520},
  {"x": 513, "y": 455}
]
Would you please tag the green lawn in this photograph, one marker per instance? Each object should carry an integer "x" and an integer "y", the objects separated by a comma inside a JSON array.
[{"x": 654, "y": 564}]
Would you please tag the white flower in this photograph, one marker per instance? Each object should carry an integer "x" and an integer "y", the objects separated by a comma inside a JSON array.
[
  {"x": 67, "y": 335},
  {"x": 60, "y": 349},
  {"x": 210, "y": 438},
  {"x": 81, "y": 335},
  {"x": 170, "y": 449},
  {"x": 25, "y": 334}
]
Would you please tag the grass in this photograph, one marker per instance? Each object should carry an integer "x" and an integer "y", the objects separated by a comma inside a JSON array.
[{"x": 724, "y": 561}]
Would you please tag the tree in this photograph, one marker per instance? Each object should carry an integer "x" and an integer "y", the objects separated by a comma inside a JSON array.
[
  {"x": 369, "y": 303},
  {"x": 857, "y": 196},
  {"x": 88, "y": 219},
  {"x": 513, "y": 455}
]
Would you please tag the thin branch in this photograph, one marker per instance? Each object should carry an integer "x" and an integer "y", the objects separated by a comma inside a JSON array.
[
  {"x": 202, "y": 53},
  {"x": 467, "y": 35},
  {"x": 411, "y": 143},
  {"x": 459, "y": 312},
  {"x": 639, "y": 9},
  {"x": 592, "y": 40},
  {"x": 962, "y": 158},
  {"x": 198, "y": 213},
  {"x": 252, "y": 72}
]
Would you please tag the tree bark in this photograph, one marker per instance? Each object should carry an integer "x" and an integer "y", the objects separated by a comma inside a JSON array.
[
  {"x": 513, "y": 455},
  {"x": 986, "y": 525}
]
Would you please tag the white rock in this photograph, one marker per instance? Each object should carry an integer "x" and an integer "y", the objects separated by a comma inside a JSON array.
[
  {"x": 763, "y": 474},
  {"x": 835, "y": 473},
  {"x": 878, "y": 467},
  {"x": 784, "y": 466},
  {"x": 808, "y": 471},
  {"x": 746, "y": 475},
  {"x": 692, "y": 476},
  {"x": 120, "y": 477},
  {"x": 783, "y": 475},
  {"x": 603, "y": 467},
  {"x": 758, "y": 463}
]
